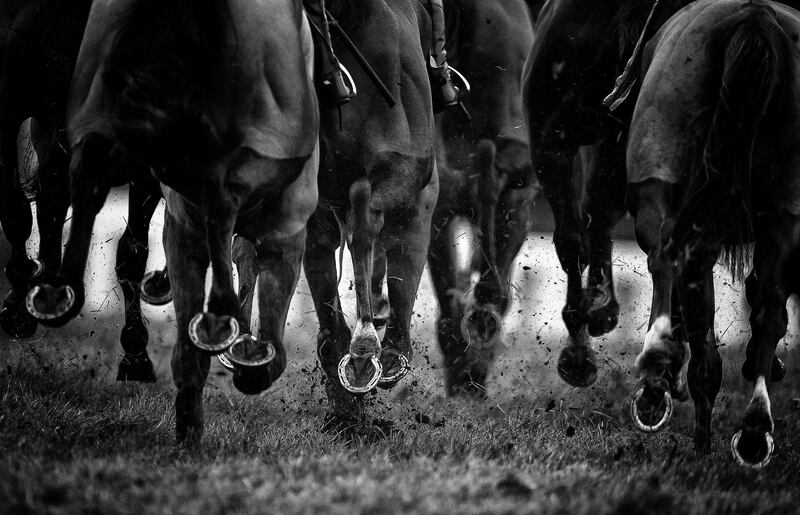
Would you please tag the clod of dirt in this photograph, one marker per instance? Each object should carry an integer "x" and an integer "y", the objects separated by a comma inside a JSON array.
[
  {"x": 570, "y": 431},
  {"x": 511, "y": 485}
]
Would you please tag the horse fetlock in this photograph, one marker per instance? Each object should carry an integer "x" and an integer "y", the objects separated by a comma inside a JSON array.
[
  {"x": 136, "y": 367},
  {"x": 15, "y": 320},
  {"x": 189, "y": 417}
]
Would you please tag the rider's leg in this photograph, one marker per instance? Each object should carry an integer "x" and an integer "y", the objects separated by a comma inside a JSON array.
[
  {"x": 333, "y": 88},
  {"x": 445, "y": 93}
]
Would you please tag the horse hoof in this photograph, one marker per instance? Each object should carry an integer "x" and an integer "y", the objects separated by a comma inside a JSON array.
[
  {"x": 577, "y": 365},
  {"x": 155, "y": 288},
  {"x": 603, "y": 318},
  {"x": 136, "y": 367},
  {"x": 778, "y": 369},
  {"x": 50, "y": 304},
  {"x": 391, "y": 376},
  {"x": 225, "y": 362},
  {"x": 356, "y": 381},
  {"x": 752, "y": 449},
  {"x": 482, "y": 325},
  {"x": 646, "y": 405},
  {"x": 248, "y": 351},
  {"x": 212, "y": 334},
  {"x": 17, "y": 323}
]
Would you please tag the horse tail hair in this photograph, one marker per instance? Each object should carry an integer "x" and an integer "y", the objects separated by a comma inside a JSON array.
[
  {"x": 162, "y": 67},
  {"x": 752, "y": 89}
]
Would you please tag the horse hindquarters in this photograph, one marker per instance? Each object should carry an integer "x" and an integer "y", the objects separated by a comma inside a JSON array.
[{"x": 57, "y": 297}]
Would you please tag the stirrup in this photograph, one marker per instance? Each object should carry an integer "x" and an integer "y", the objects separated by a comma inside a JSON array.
[
  {"x": 449, "y": 87},
  {"x": 337, "y": 88}
]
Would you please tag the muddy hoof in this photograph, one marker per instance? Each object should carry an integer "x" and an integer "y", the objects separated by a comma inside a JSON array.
[
  {"x": 394, "y": 371},
  {"x": 136, "y": 367},
  {"x": 651, "y": 407},
  {"x": 53, "y": 305},
  {"x": 155, "y": 288},
  {"x": 16, "y": 322},
  {"x": 482, "y": 325},
  {"x": 577, "y": 365},
  {"x": 778, "y": 369},
  {"x": 359, "y": 375},
  {"x": 212, "y": 334},
  {"x": 752, "y": 448},
  {"x": 603, "y": 315}
]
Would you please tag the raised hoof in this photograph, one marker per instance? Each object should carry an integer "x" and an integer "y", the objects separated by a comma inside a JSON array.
[
  {"x": 136, "y": 367},
  {"x": 651, "y": 407},
  {"x": 394, "y": 372},
  {"x": 752, "y": 448},
  {"x": 212, "y": 334},
  {"x": 359, "y": 375},
  {"x": 249, "y": 352},
  {"x": 482, "y": 325},
  {"x": 155, "y": 288},
  {"x": 577, "y": 365},
  {"x": 52, "y": 305},
  {"x": 778, "y": 369},
  {"x": 603, "y": 317},
  {"x": 16, "y": 322}
]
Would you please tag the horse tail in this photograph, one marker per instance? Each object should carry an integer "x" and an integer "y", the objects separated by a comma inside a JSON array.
[
  {"x": 753, "y": 86},
  {"x": 162, "y": 67}
]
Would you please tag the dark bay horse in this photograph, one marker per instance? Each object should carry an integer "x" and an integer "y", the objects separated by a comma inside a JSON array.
[
  {"x": 378, "y": 188},
  {"x": 40, "y": 43},
  {"x": 217, "y": 98},
  {"x": 577, "y": 148},
  {"x": 486, "y": 178},
  {"x": 713, "y": 162}
]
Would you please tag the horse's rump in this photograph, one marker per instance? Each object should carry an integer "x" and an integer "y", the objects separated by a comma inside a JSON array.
[
  {"x": 716, "y": 112},
  {"x": 236, "y": 88}
]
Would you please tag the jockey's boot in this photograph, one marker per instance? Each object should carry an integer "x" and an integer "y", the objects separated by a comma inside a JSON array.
[
  {"x": 334, "y": 84},
  {"x": 445, "y": 92}
]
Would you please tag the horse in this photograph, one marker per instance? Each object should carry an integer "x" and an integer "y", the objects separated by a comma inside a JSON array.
[
  {"x": 216, "y": 97},
  {"x": 40, "y": 47},
  {"x": 578, "y": 147},
  {"x": 713, "y": 164},
  {"x": 486, "y": 178},
  {"x": 378, "y": 187}
]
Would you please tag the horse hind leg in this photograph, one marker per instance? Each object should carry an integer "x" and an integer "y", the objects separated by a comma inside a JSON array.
[
  {"x": 360, "y": 370},
  {"x": 577, "y": 362},
  {"x": 17, "y": 221},
  {"x": 188, "y": 259},
  {"x": 132, "y": 252},
  {"x": 333, "y": 339},
  {"x": 748, "y": 367},
  {"x": 380, "y": 302},
  {"x": 265, "y": 356},
  {"x": 774, "y": 255},
  {"x": 606, "y": 189},
  {"x": 651, "y": 407}
]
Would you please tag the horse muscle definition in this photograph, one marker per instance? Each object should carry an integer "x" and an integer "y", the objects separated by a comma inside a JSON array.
[
  {"x": 216, "y": 98},
  {"x": 40, "y": 46},
  {"x": 713, "y": 163}
]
